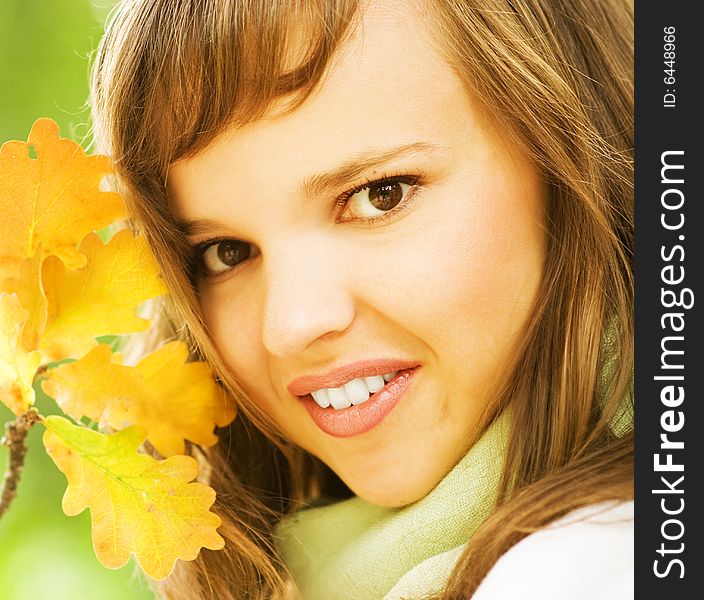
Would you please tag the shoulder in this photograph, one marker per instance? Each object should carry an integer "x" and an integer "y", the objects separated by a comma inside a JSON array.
[{"x": 587, "y": 554}]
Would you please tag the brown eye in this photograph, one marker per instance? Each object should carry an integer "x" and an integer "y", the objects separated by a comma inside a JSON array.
[
  {"x": 378, "y": 198},
  {"x": 226, "y": 254},
  {"x": 231, "y": 252},
  {"x": 385, "y": 196}
]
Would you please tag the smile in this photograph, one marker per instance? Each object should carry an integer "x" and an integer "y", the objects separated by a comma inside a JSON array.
[
  {"x": 356, "y": 398},
  {"x": 352, "y": 393}
]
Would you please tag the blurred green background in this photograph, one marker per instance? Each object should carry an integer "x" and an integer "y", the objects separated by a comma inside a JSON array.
[{"x": 45, "y": 47}]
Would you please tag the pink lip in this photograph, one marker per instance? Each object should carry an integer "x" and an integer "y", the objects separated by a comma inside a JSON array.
[
  {"x": 355, "y": 420},
  {"x": 338, "y": 377}
]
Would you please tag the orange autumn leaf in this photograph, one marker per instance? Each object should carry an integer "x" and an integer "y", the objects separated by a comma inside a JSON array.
[
  {"x": 102, "y": 297},
  {"x": 91, "y": 387},
  {"x": 61, "y": 287},
  {"x": 172, "y": 400},
  {"x": 138, "y": 505},
  {"x": 52, "y": 199},
  {"x": 30, "y": 293},
  {"x": 17, "y": 364},
  {"x": 181, "y": 400}
]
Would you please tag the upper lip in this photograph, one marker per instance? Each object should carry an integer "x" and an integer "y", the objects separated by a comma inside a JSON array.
[{"x": 339, "y": 376}]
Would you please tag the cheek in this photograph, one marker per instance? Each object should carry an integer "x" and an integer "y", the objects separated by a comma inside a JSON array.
[
  {"x": 464, "y": 280},
  {"x": 236, "y": 332}
]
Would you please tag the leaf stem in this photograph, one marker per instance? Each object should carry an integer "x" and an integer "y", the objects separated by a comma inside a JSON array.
[{"x": 15, "y": 433}]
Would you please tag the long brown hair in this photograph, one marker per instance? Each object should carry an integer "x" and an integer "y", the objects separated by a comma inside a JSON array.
[{"x": 556, "y": 76}]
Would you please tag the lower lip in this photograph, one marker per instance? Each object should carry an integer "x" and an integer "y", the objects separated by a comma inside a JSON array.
[{"x": 355, "y": 420}]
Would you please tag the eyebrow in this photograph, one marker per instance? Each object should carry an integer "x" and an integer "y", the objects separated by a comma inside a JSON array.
[
  {"x": 323, "y": 183},
  {"x": 198, "y": 227},
  {"x": 356, "y": 166}
]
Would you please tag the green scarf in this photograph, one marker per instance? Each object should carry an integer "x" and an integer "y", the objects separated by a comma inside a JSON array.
[{"x": 354, "y": 550}]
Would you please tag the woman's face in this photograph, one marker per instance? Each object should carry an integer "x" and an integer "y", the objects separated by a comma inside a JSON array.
[{"x": 382, "y": 228}]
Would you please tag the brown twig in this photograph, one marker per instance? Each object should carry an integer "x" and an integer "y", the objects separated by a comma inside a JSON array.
[{"x": 15, "y": 434}]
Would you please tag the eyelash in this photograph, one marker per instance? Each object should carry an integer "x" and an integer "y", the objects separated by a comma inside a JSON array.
[
  {"x": 196, "y": 266},
  {"x": 410, "y": 179}
]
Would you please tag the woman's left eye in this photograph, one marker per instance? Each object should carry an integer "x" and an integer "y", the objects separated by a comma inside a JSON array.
[{"x": 377, "y": 198}]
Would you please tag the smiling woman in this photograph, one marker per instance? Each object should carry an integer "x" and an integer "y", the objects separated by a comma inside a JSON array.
[
  {"x": 295, "y": 247},
  {"x": 401, "y": 234}
]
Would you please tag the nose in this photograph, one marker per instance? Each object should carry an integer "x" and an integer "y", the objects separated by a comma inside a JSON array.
[{"x": 307, "y": 299}]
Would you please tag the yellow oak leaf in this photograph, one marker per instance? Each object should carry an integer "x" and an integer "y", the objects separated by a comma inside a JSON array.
[
  {"x": 29, "y": 290},
  {"x": 138, "y": 505},
  {"x": 171, "y": 399},
  {"x": 17, "y": 365},
  {"x": 102, "y": 297},
  {"x": 92, "y": 386},
  {"x": 50, "y": 195},
  {"x": 180, "y": 401}
]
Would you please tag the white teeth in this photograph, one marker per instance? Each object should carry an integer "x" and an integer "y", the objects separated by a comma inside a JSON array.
[
  {"x": 321, "y": 397},
  {"x": 374, "y": 383},
  {"x": 338, "y": 398},
  {"x": 357, "y": 391},
  {"x": 353, "y": 392}
]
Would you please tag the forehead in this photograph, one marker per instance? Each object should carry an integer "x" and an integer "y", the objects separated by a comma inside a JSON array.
[{"x": 388, "y": 85}]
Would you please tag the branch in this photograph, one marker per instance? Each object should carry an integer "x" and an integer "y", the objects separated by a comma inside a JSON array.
[{"x": 15, "y": 434}]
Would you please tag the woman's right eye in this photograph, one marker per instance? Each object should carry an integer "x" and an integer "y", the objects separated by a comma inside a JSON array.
[{"x": 219, "y": 256}]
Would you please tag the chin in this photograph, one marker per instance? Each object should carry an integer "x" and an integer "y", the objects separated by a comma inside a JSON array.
[{"x": 403, "y": 487}]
